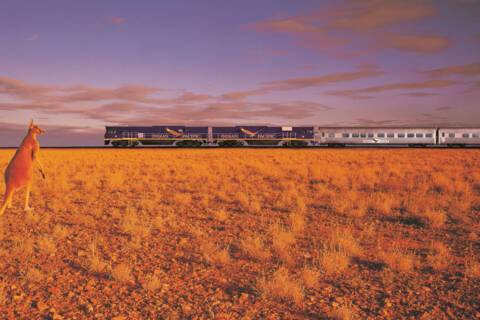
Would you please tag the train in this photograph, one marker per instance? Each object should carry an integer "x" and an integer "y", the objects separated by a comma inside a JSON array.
[{"x": 289, "y": 136}]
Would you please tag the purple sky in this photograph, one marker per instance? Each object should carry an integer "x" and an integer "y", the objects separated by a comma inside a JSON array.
[{"x": 76, "y": 66}]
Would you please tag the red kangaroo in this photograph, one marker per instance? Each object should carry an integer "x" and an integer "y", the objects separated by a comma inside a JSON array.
[{"x": 19, "y": 172}]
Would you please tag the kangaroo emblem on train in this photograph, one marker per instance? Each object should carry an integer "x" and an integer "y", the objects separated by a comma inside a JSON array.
[
  {"x": 249, "y": 133},
  {"x": 176, "y": 134},
  {"x": 19, "y": 172}
]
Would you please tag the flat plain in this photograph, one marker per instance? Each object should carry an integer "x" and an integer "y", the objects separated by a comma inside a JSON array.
[{"x": 245, "y": 234}]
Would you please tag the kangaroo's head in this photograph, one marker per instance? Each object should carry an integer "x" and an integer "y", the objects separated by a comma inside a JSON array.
[{"x": 35, "y": 129}]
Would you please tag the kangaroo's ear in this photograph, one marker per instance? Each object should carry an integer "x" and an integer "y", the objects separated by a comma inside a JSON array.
[{"x": 31, "y": 123}]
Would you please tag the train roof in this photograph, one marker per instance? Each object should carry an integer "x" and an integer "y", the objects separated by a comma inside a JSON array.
[{"x": 320, "y": 127}]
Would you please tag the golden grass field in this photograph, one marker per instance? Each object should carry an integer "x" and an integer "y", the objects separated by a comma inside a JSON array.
[{"x": 245, "y": 234}]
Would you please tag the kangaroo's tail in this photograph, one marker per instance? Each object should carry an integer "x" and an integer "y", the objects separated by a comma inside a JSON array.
[{"x": 6, "y": 199}]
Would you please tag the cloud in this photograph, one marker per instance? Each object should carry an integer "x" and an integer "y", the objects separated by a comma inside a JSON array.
[
  {"x": 419, "y": 94},
  {"x": 136, "y": 93},
  {"x": 305, "y": 82},
  {"x": 377, "y": 14},
  {"x": 443, "y": 108},
  {"x": 429, "y": 84},
  {"x": 366, "y": 24},
  {"x": 115, "y": 20},
  {"x": 21, "y": 89},
  {"x": 216, "y": 112},
  {"x": 417, "y": 43},
  {"x": 467, "y": 70}
]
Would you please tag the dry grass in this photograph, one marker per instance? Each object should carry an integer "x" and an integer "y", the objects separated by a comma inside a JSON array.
[
  {"x": 199, "y": 230},
  {"x": 281, "y": 286},
  {"x": 439, "y": 257},
  {"x": 297, "y": 221},
  {"x": 343, "y": 312},
  {"x": 95, "y": 263},
  {"x": 152, "y": 282},
  {"x": 47, "y": 245},
  {"x": 134, "y": 225},
  {"x": 60, "y": 232},
  {"x": 282, "y": 242},
  {"x": 435, "y": 219},
  {"x": 397, "y": 259},
  {"x": 254, "y": 247},
  {"x": 310, "y": 277},
  {"x": 122, "y": 273},
  {"x": 472, "y": 268},
  {"x": 214, "y": 254},
  {"x": 343, "y": 240},
  {"x": 34, "y": 275},
  {"x": 334, "y": 261},
  {"x": 221, "y": 215}
]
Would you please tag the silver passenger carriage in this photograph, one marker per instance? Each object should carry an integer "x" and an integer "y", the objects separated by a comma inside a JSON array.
[
  {"x": 459, "y": 136},
  {"x": 342, "y": 136}
]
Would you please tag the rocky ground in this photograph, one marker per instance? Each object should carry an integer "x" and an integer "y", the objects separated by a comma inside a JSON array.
[{"x": 245, "y": 234}]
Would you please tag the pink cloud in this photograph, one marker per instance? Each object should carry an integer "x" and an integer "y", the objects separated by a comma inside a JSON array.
[
  {"x": 21, "y": 89},
  {"x": 416, "y": 43},
  {"x": 429, "y": 84},
  {"x": 305, "y": 82},
  {"x": 115, "y": 20},
  {"x": 468, "y": 70},
  {"x": 375, "y": 14},
  {"x": 364, "y": 23}
]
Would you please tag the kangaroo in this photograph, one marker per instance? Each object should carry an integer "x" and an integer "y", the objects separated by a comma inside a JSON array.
[{"x": 19, "y": 172}]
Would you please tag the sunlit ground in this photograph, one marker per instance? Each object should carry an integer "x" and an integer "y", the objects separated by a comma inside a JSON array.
[{"x": 220, "y": 234}]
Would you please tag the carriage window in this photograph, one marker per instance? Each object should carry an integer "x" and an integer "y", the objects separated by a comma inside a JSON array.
[
  {"x": 345, "y": 135},
  {"x": 381, "y": 135},
  {"x": 429, "y": 135},
  {"x": 401, "y": 135},
  {"x": 354, "y": 135},
  {"x": 363, "y": 135},
  {"x": 390, "y": 135},
  {"x": 451, "y": 135},
  {"x": 419, "y": 135},
  {"x": 323, "y": 134},
  {"x": 331, "y": 135},
  {"x": 410, "y": 135},
  {"x": 466, "y": 135},
  {"x": 370, "y": 135},
  {"x": 475, "y": 135}
]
